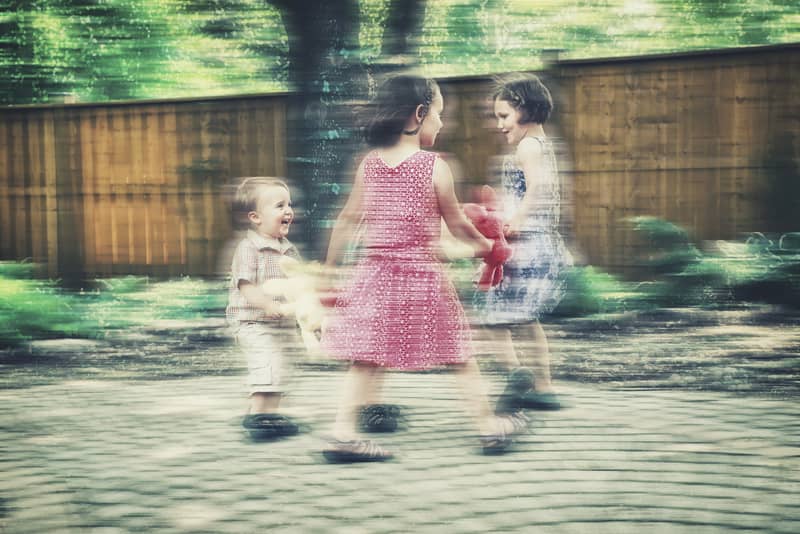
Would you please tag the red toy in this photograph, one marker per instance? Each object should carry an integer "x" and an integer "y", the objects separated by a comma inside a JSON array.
[{"x": 489, "y": 223}]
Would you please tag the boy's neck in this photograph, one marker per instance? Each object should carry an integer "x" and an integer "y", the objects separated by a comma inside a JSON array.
[
  {"x": 281, "y": 244},
  {"x": 267, "y": 236}
]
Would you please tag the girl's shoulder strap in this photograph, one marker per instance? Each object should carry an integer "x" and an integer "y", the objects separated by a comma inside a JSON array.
[
  {"x": 430, "y": 158},
  {"x": 428, "y": 155},
  {"x": 533, "y": 141}
]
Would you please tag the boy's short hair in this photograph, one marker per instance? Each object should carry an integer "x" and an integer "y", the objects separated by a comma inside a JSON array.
[
  {"x": 245, "y": 199},
  {"x": 527, "y": 94}
]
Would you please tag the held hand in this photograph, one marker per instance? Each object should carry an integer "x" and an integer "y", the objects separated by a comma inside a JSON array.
[
  {"x": 511, "y": 229},
  {"x": 488, "y": 222},
  {"x": 499, "y": 254},
  {"x": 492, "y": 273},
  {"x": 484, "y": 249},
  {"x": 273, "y": 311}
]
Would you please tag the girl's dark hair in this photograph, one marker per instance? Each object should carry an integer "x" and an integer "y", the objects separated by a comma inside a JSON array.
[
  {"x": 527, "y": 94},
  {"x": 395, "y": 100}
]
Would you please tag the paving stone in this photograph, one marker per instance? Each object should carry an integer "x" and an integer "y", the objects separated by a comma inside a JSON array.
[{"x": 171, "y": 456}]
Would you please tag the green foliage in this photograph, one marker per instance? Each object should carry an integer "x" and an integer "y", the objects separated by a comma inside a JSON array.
[
  {"x": 758, "y": 268},
  {"x": 96, "y": 50},
  {"x": 773, "y": 269},
  {"x": 589, "y": 291},
  {"x": 667, "y": 245},
  {"x": 118, "y": 49},
  {"x": 134, "y": 301},
  {"x": 33, "y": 309}
]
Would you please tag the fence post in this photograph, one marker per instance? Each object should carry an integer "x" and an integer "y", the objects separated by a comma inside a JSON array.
[{"x": 68, "y": 192}]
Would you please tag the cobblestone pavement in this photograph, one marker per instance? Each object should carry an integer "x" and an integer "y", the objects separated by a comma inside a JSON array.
[{"x": 105, "y": 455}]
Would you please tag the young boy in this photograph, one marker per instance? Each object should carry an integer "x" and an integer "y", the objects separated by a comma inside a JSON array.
[{"x": 264, "y": 207}]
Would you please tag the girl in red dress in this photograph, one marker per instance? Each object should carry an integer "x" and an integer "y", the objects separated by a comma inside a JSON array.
[{"x": 400, "y": 310}]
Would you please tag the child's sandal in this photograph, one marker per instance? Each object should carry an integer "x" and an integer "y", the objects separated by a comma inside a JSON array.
[
  {"x": 493, "y": 444},
  {"x": 520, "y": 422},
  {"x": 359, "y": 450}
]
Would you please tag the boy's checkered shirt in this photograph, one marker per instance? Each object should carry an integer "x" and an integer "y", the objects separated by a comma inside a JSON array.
[{"x": 255, "y": 260}]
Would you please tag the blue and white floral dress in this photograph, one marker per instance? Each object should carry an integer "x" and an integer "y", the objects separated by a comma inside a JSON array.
[{"x": 532, "y": 279}]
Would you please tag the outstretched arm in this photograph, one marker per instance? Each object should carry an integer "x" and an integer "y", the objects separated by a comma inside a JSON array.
[
  {"x": 348, "y": 219},
  {"x": 453, "y": 216}
]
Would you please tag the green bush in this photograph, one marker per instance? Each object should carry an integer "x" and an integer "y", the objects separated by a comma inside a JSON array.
[
  {"x": 137, "y": 301},
  {"x": 758, "y": 268},
  {"x": 33, "y": 309},
  {"x": 588, "y": 291},
  {"x": 36, "y": 309}
]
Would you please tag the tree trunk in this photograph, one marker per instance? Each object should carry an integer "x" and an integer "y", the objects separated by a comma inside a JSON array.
[
  {"x": 329, "y": 78},
  {"x": 325, "y": 76}
]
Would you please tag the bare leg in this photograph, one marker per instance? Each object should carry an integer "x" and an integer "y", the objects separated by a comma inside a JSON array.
[
  {"x": 473, "y": 390},
  {"x": 374, "y": 392},
  {"x": 355, "y": 388},
  {"x": 468, "y": 378},
  {"x": 263, "y": 402},
  {"x": 503, "y": 346},
  {"x": 538, "y": 357},
  {"x": 346, "y": 445}
]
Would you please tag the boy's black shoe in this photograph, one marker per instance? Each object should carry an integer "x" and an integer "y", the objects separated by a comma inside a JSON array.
[{"x": 269, "y": 426}]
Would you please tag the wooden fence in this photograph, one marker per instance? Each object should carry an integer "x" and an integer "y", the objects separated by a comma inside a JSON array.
[
  {"x": 130, "y": 188},
  {"x": 694, "y": 139},
  {"x": 100, "y": 189}
]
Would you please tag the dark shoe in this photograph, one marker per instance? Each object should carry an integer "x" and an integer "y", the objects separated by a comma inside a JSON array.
[
  {"x": 518, "y": 383},
  {"x": 539, "y": 401},
  {"x": 379, "y": 418},
  {"x": 494, "y": 444},
  {"x": 359, "y": 450},
  {"x": 269, "y": 426}
]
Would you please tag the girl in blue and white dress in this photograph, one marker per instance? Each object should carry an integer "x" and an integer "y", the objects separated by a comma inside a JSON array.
[{"x": 532, "y": 282}]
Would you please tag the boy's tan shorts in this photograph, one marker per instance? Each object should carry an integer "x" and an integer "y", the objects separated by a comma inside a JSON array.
[{"x": 266, "y": 369}]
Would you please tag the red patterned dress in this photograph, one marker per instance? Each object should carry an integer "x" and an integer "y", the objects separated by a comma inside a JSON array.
[{"x": 399, "y": 310}]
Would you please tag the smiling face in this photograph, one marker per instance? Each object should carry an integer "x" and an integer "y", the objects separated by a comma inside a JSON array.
[
  {"x": 508, "y": 121},
  {"x": 274, "y": 214},
  {"x": 432, "y": 122}
]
